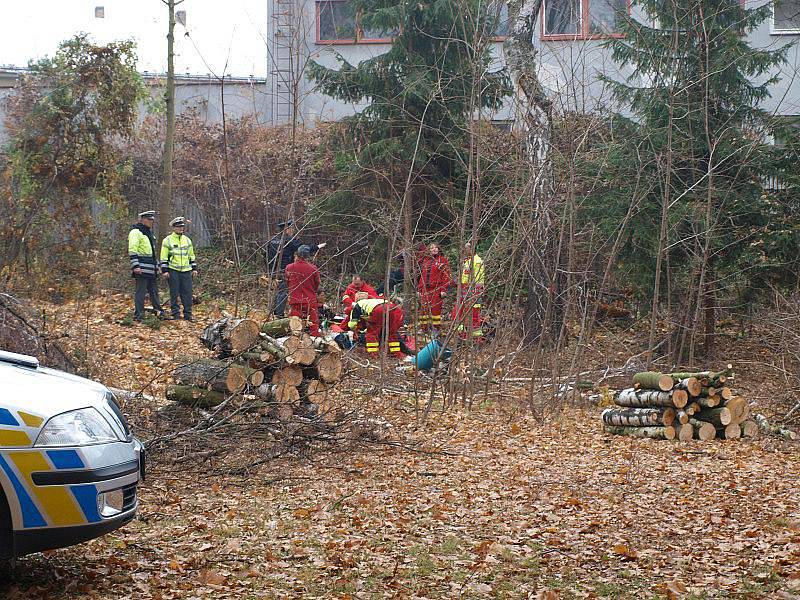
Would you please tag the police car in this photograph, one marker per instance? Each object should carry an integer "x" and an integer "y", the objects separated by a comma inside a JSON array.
[{"x": 69, "y": 465}]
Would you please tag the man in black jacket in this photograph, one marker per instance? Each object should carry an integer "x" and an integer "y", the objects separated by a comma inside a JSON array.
[{"x": 280, "y": 254}]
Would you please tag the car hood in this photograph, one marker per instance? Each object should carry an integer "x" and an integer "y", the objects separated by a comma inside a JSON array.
[{"x": 46, "y": 392}]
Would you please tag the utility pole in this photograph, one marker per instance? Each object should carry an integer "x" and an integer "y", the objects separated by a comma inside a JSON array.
[{"x": 165, "y": 198}]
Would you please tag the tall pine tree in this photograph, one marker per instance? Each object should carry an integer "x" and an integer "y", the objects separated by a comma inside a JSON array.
[
  {"x": 410, "y": 145},
  {"x": 698, "y": 137}
]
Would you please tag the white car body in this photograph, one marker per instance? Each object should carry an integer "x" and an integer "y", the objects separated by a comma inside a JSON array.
[{"x": 59, "y": 495}]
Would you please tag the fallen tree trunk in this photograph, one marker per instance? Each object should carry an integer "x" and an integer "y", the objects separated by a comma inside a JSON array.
[
  {"x": 283, "y": 327},
  {"x": 655, "y": 433},
  {"x": 638, "y": 417},
  {"x": 702, "y": 430},
  {"x": 692, "y": 409},
  {"x": 648, "y": 398},
  {"x": 287, "y": 393},
  {"x": 652, "y": 380},
  {"x": 765, "y": 426},
  {"x": 719, "y": 417},
  {"x": 681, "y": 416},
  {"x": 213, "y": 374},
  {"x": 194, "y": 396},
  {"x": 282, "y": 411}
]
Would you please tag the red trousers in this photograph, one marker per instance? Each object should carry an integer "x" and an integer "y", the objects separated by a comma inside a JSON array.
[
  {"x": 430, "y": 308},
  {"x": 375, "y": 328},
  {"x": 470, "y": 302},
  {"x": 306, "y": 310}
]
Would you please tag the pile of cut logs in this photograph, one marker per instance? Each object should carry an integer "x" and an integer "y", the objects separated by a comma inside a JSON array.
[
  {"x": 276, "y": 362},
  {"x": 681, "y": 406}
]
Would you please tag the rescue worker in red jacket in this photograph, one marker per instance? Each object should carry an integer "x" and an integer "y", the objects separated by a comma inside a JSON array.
[
  {"x": 303, "y": 281},
  {"x": 357, "y": 285},
  {"x": 370, "y": 313},
  {"x": 433, "y": 282}
]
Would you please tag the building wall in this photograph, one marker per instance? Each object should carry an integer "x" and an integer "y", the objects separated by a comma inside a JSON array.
[
  {"x": 570, "y": 69},
  {"x": 243, "y": 97}
]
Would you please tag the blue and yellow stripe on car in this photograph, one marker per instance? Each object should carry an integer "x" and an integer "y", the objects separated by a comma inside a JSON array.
[
  {"x": 53, "y": 505},
  {"x": 56, "y": 501},
  {"x": 40, "y": 506}
]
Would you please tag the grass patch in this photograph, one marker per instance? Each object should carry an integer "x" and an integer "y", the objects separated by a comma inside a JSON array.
[
  {"x": 152, "y": 321},
  {"x": 449, "y": 546}
]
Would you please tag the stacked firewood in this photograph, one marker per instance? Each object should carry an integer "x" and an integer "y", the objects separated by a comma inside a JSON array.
[
  {"x": 684, "y": 406},
  {"x": 275, "y": 362}
]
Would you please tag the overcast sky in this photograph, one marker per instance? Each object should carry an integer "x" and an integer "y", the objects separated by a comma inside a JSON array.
[{"x": 219, "y": 31}]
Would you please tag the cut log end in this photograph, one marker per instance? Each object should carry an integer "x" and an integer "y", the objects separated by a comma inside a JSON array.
[
  {"x": 654, "y": 381},
  {"x": 732, "y": 431},
  {"x": 680, "y": 398},
  {"x": 749, "y": 429},
  {"x": 685, "y": 432},
  {"x": 703, "y": 431}
]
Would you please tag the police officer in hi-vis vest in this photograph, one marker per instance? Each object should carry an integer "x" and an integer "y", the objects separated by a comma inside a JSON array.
[
  {"x": 178, "y": 265},
  {"x": 142, "y": 252}
]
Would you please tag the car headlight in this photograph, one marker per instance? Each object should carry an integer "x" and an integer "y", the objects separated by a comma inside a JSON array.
[{"x": 77, "y": 428}]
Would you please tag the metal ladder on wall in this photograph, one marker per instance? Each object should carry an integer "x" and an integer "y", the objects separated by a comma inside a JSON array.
[{"x": 282, "y": 65}]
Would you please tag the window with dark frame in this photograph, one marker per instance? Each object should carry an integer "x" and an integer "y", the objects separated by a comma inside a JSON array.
[
  {"x": 336, "y": 22},
  {"x": 99, "y": 12},
  {"x": 786, "y": 16},
  {"x": 578, "y": 19}
]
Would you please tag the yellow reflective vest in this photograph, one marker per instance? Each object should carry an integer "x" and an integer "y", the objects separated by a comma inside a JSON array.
[
  {"x": 141, "y": 251},
  {"x": 472, "y": 271},
  {"x": 177, "y": 253},
  {"x": 362, "y": 310}
]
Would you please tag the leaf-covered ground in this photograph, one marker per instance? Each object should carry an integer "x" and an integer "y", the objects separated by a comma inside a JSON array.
[{"x": 486, "y": 504}]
